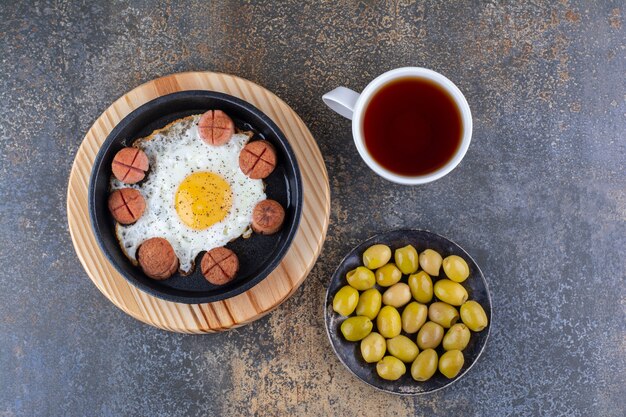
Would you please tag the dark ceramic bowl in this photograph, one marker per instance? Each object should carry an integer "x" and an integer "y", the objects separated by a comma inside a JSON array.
[
  {"x": 349, "y": 353},
  {"x": 258, "y": 255}
]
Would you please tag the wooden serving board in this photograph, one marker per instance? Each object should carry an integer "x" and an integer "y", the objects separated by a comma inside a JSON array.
[{"x": 246, "y": 307}]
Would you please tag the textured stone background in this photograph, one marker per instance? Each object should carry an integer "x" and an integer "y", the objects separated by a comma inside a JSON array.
[{"x": 539, "y": 201}]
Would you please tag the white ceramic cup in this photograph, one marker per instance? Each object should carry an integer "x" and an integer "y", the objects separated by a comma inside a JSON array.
[{"x": 352, "y": 105}]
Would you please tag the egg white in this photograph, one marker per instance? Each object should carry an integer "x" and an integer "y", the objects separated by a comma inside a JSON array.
[{"x": 175, "y": 152}]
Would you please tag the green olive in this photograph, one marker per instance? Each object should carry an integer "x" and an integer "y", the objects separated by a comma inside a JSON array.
[
  {"x": 474, "y": 316},
  {"x": 402, "y": 348},
  {"x": 390, "y": 368},
  {"x": 421, "y": 287},
  {"x": 388, "y": 322},
  {"x": 430, "y": 335},
  {"x": 361, "y": 278},
  {"x": 388, "y": 275},
  {"x": 345, "y": 300},
  {"x": 356, "y": 328},
  {"x": 373, "y": 347},
  {"x": 397, "y": 295},
  {"x": 451, "y": 363},
  {"x": 406, "y": 259},
  {"x": 425, "y": 365},
  {"x": 456, "y": 268},
  {"x": 443, "y": 314},
  {"x": 376, "y": 256},
  {"x": 369, "y": 303},
  {"x": 414, "y": 316},
  {"x": 450, "y": 292},
  {"x": 457, "y": 337},
  {"x": 430, "y": 261}
]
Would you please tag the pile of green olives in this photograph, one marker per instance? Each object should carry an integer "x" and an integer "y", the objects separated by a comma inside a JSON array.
[{"x": 401, "y": 317}]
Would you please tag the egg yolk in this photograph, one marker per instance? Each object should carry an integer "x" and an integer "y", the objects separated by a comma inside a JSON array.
[{"x": 203, "y": 199}]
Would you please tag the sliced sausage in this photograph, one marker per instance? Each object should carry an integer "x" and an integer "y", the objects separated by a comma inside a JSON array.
[
  {"x": 126, "y": 205},
  {"x": 130, "y": 165},
  {"x": 267, "y": 217},
  {"x": 215, "y": 127},
  {"x": 219, "y": 266},
  {"x": 257, "y": 159},
  {"x": 157, "y": 258}
]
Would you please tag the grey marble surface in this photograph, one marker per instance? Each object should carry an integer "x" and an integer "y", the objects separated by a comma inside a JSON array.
[{"x": 539, "y": 201}]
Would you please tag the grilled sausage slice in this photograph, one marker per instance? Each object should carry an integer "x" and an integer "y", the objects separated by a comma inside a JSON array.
[
  {"x": 215, "y": 127},
  {"x": 157, "y": 258},
  {"x": 257, "y": 159},
  {"x": 130, "y": 165},
  {"x": 219, "y": 266},
  {"x": 126, "y": 205},
  {"x": 267, "y": 217}
]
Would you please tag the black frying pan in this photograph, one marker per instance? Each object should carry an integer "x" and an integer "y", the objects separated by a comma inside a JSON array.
[{"x": 258, "y": 255}]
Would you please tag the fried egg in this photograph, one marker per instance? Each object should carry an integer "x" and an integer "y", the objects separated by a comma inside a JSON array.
[{"x": 196, "y": 195}]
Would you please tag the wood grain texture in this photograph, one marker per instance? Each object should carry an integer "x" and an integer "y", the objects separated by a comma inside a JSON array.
[{"x": 246, "y": 307}]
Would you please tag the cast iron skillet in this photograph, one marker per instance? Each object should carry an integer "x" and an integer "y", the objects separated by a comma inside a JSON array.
[
  {"x": 258, "y": 255},
  {"x": 349, "y": 353}
]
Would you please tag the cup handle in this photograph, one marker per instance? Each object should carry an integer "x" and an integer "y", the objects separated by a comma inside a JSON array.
[{"x": 342, "y": 100}]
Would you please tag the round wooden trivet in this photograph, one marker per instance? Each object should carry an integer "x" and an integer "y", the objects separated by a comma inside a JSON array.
[{"x": 246, "y": 307}]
